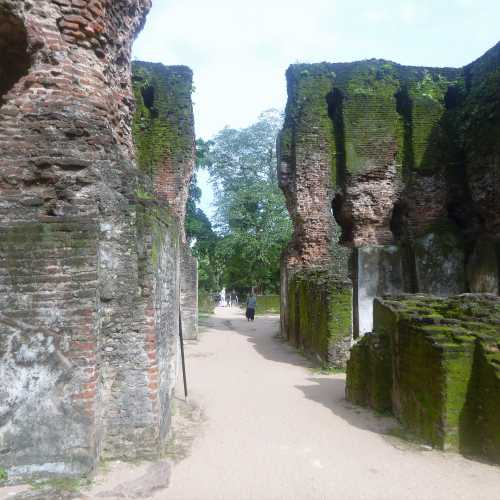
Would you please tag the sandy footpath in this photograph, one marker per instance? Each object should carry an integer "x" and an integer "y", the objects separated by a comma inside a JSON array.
[{"x": 261, "y": 425}]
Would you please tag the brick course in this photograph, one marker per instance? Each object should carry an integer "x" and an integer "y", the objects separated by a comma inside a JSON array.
[{"x": 89, "y": 252}]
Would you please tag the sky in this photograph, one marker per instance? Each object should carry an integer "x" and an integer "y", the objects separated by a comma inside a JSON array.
[{"x": 239, "y": 50}]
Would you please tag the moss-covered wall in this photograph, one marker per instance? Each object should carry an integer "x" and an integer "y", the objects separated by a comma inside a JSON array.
[
  {"x": 163, "y": 130},
  {"x": 375, "y": 153},
  {"x": 320, "y": 315},
  {"x": 434, "y": 363}
]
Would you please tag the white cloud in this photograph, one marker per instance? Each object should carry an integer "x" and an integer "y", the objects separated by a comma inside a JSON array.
[{"x": 408, "y": 12}]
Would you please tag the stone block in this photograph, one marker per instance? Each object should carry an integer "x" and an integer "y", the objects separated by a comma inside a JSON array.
[
  {"x": 369, "y": 373},
  {"x": 440, "y": 261},
  {"x": 379, "y": 272},
  {"x": 320, "y": 316},
  {"x": 443, "y": 355},
  {"x": 482, "y": 268},
  {"x": 189, "y": 294}
]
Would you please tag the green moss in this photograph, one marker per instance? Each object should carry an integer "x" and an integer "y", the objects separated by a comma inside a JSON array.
[
  {"x": 358, "y": 377},
  {"x": 75, "y": 240},
  {"x": 371, "y": 123},
  {"x": 268, "y": 304},
  {"x": 320, "y": 312},
  {"x": 340, "y": 317},
  {"x": 457, "y": 368},
  {"x": 141, "y": 194},
  {"x": 61, "y": 484},
  {"x": 153, "y": 222},
  {"x": 292, "y": 332},
  {"x": 446, "y": 359},
  {"x": 311, "y": 112},
  {"x": 162, "y": 124}
]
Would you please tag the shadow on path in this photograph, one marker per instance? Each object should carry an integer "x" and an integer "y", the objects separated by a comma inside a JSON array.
[{"x": 328, "y": 391}]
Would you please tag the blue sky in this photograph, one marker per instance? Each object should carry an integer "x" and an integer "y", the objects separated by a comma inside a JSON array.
[{"x": 239, "y": 50}]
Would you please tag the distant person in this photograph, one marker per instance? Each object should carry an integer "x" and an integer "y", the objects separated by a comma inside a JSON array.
[
  {"x": 234, "y": 298},
  {"x": 251, "y": 305},
  {"x": 229, "y": 300}
]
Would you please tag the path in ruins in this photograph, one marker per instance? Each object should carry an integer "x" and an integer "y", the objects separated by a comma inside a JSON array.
[
  {"x": 273, "y": 429},
  {"x": 266, "y": 427}
]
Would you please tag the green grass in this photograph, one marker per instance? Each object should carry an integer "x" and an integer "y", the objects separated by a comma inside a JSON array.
[
  {"x": 326, "y": 369},
  {"x": 205, "y": 302},
  {"x": 69, "y": 484},
  {"x": 266, "y": 304}
]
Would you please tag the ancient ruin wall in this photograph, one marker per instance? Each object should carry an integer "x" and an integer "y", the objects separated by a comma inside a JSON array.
[
  {"x": 305, "y": 175},
  {"x": 163, "y": 130},
  {"x": 89, "y": 250},
  {"x": 398, "y": 164},
  {"x": 189, "y": 294},
  {"x": 434, "y": 363}
]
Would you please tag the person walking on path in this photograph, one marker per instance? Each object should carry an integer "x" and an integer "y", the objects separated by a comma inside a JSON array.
[{"x": 251, "y": 305}]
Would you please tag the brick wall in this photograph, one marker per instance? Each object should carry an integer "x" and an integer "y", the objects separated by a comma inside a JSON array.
[
  {"x": 373, "y": 153},
  {"x": 189, "y": 294},
  {"x": 89, "y": 250}
]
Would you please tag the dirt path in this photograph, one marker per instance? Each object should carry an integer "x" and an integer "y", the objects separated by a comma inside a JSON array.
[
  {"x": 265, "y": 427},
  {"x": 275, "y": 430}
]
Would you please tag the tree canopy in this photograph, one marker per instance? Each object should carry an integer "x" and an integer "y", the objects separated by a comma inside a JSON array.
[{"x": 251, "y": 222}]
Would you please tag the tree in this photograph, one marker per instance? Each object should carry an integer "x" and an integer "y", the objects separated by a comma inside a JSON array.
[
  {"x": 199, "y": 232},
  {"x": 251, "y": 216}
]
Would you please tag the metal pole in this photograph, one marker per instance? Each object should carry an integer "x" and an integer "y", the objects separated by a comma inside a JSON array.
[{"x": 182, "y": 356}]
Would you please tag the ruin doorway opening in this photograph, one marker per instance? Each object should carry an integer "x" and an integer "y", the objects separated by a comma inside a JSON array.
[{"x": 15, "y": 60}]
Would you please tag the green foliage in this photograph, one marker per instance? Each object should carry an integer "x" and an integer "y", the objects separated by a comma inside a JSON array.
[
  {"x": 163, "y": 101},
  {"x": 199, "y": 232},
  {"x": 205, "y": 302},
  {"x": 251, "y": 218},
  {"x": 3, "y": 475},
  {"x": 266, "y": 304},
  {"x": 61, "y": 484},
  {"x": 252, "y": 225}
]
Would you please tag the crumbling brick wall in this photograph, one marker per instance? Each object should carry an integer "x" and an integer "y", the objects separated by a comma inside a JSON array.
[
  {"x": 163, "y": 129},
  {"x": 390, "y": 178},
  {"x": 189, "y": 294},
  {"x": 434, "y": 363},
  {"x": 89, "y": 249}
]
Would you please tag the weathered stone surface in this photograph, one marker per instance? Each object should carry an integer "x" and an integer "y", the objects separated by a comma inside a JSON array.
[
  {"x": 164, "y": 130},
  {"x": 374, "y": 153},
  {"x": 320, "y": 315},
  {"x": 189, "y": 295},
  {"x": 89, "y": 246},
  {"x": 434, "y": 362},
  {"x": 305, "y": 175},
  {"x": 440, "y": 261},
  {"x": 482, "y": 267},
  {"x": 379, "y": 270}
]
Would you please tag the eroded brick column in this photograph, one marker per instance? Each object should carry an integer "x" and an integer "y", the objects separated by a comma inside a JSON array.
[{"x": 67, "y": 258}]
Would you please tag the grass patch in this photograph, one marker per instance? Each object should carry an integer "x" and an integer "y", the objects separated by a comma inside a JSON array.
[
  {"x": 205, "y": 302},
  {"x": 326, "y": 369},
  {"x": 104, "y": 466},
  {"x": 69, "y": 484}
]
